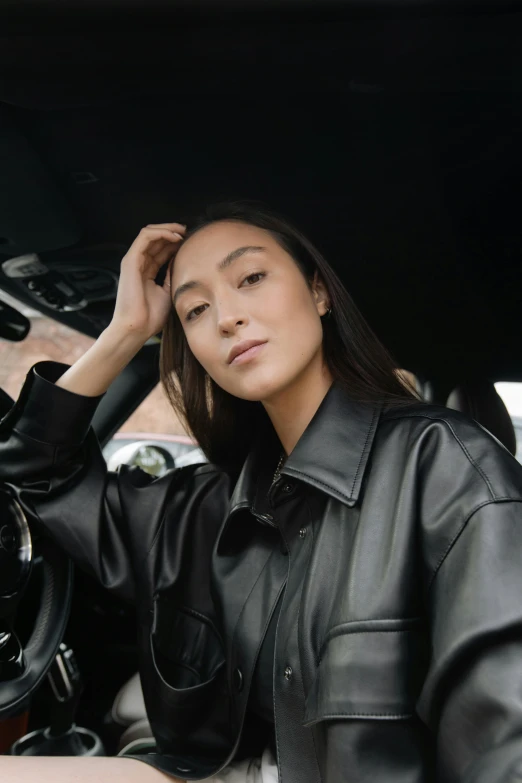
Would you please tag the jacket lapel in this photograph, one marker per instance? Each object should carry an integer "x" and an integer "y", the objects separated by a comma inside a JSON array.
[{"x": 331, "y": 455}]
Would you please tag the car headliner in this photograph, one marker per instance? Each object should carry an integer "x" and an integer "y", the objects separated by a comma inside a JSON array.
[{"x": 392, "y": 139}]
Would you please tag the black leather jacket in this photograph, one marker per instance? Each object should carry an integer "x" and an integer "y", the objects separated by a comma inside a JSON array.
[{"x": 402, "y": 613}]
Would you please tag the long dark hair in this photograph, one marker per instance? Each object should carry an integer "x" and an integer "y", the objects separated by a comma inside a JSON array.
[{"x": 224, "y": 425}]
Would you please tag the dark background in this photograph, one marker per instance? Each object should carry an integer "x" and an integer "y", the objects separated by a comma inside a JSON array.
[{"x": 389, "y": 132}]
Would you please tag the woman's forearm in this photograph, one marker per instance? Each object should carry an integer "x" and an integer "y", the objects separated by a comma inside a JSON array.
[
  {"x": 141, "y": 310},
  {"x": 80, "y": 769},
  {"x": 93, "y": 373}
]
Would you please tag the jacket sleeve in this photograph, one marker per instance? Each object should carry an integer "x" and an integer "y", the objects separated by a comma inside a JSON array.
[
  {"x": 472, "y": 694},
  {"x": 51, "y": 460}
]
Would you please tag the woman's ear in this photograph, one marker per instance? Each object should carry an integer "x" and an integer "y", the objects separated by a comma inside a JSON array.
[{"x": 320, "y": 294}]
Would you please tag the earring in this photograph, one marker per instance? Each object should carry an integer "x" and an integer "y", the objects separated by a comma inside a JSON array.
[{"x": 328, "y": 313}]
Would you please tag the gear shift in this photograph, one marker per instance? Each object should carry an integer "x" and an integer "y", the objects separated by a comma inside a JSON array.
[
  {"x": 66, "y": 683},
  {"x": 62, "y": 737}
]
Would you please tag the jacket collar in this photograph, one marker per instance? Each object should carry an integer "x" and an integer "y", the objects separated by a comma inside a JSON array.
[{"x": 331, "y": 455}]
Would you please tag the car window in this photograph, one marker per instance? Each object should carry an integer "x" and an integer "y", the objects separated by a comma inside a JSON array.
[
  {"x": 511, "y": 394},
  {"x": 50, "y": 340},
  {"x": 153, "y": 439},
  {"x": 47, "y": 340},
  {"x": 154, "y": 415}
]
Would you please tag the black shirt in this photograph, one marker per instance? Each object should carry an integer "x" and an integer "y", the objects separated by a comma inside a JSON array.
[
  {"x": 287, "y": 502},
  {"x": 261, "y": 701}
]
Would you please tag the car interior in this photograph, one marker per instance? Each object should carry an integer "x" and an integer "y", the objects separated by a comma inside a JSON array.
[{"x": 389, "y": 132}]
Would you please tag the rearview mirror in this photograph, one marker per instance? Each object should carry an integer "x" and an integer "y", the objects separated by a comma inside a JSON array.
[{"x": 13, "y": 325}]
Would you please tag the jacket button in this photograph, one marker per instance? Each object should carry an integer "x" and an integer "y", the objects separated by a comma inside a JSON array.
[
  {"x": 302, "y": 532},
  {"x": 288, "y": 673},
  {"x": 238, "y": 680}
]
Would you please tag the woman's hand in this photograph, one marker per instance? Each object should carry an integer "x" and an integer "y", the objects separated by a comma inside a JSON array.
[
  {"x": 142, "y": 306},
  {"x": 140, "y": 312}
]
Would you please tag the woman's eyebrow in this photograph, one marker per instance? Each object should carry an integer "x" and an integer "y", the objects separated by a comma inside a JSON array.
[{"x": 223, "y": 264}]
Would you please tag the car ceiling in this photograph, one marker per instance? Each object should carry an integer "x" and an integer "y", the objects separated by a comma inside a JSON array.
[{"x": 392, "y": 137}]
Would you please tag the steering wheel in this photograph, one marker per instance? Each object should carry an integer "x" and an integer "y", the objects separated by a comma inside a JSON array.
[{"x": 22, "y": 668}]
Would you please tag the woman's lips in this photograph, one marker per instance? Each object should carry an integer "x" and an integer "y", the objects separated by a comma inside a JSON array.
[{"x": 247, "y": 355}]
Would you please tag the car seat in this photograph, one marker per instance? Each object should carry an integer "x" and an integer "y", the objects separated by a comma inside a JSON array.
[{"x": 479, "y": 399}]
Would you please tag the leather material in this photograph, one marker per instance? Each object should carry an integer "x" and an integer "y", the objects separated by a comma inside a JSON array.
[
  {"x": 480, "y": 399},
  {"x": 353, "y": 679},
  {"x": 401, "y": 616},
  {"x": 6, "y": 402},
  {"x": 47, "y": 634}
]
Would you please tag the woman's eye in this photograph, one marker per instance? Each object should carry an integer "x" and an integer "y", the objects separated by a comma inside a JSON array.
[
  {"x": 195, "y": 312},
  {"x": 258, "y": 275},
  {"x": 250, "y": 280}
]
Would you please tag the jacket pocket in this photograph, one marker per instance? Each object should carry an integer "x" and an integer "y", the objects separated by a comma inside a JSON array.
[
  {"x": 369, "y": 669},
  {"x": 187, "y": 658}
]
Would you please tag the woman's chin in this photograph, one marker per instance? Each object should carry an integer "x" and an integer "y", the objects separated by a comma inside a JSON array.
[{"x": 258, "y": 386}]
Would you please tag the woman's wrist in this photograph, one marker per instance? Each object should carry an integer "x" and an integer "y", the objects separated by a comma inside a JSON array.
[
  {"x": 120, "y": 344},
  {"x": 92, "y": 374}
]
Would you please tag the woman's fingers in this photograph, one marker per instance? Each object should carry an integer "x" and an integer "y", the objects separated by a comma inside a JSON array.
[
  {"x": 151, "y": 235},
  {"x": 157, "y": 247},
  {"x": 167, "y": 282},
  {"x": 166, "y": 253},
  {"x": 152, "y": 245},
  {"x": 171, "y": 226},
  {"x": 177, "y": 229}
]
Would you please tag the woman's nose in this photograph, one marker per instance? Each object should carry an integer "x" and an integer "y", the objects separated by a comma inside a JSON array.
[{"x": 229, "y": 322}]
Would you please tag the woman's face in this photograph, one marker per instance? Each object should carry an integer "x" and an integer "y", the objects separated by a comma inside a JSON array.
[{"x": 232, "y": 283}]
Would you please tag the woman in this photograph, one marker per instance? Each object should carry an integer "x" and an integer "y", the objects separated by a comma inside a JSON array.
[{"x": 337, "y": 595}]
